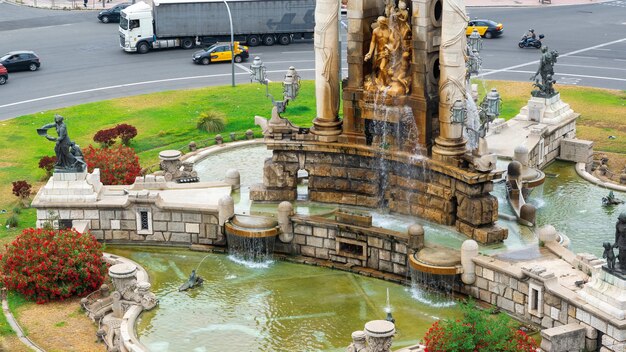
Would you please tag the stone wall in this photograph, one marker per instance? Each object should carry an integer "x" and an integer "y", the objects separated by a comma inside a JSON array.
[
  {"x": 361, "y": 176},
  {"x": 534, "y": 295},
  {"x": 548, "y": 147},
  {"x": 123, "y": 224}
]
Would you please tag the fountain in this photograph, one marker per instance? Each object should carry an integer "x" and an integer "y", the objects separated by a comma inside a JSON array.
[{"x": 251, "y": 238}]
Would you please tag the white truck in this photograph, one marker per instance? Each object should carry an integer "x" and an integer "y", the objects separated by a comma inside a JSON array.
[{"x": 187, "y": 23}]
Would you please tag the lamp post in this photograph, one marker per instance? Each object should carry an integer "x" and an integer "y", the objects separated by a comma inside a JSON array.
[
  {"x": 232, "y": 43},
  {"x": 459, "y": 112},
  {"x": 475, "y": 41},
  {"x": 291, "y": 83}
]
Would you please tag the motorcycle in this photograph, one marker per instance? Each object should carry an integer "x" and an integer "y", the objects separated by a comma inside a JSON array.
[{"x": 529, "y": 42}]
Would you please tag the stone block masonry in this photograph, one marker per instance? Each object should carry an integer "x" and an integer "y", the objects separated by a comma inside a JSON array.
[{"x": 370, "y": 177}]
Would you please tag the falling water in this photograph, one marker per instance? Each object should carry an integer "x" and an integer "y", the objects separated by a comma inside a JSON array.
[
  {"x": 472, "y": 124},
  {"x": 251, "y": 251}
]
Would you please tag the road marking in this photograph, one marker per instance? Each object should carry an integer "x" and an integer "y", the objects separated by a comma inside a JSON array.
[
  {"x": 583, "y": 57},
  {"x": 243, "y": 68},
  {"x": 603, "y": 49},
  {"x": 572, "y": 75},
  {"x": 286, "y": 62},
  {"x": 297, "y": 52},
  {"x": 126, "y": 85},
  {"x": 600, "y": 67},
  {"x": 563, "y": 55},
  {"x": 619, "y": 60}
]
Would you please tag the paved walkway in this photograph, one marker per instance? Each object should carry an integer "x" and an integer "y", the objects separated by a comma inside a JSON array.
[{"x": 100, "y": 4}]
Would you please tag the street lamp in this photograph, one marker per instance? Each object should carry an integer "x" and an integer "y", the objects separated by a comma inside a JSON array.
[
  {"x": 459, "y": 112},
  {"x": 291, "y": 83},
  {"x": 232, "y": 43},
  {"x": 473, "y": 62},
  {"x": 492, "y": 103},
  {"x": 475, "y": 41}
]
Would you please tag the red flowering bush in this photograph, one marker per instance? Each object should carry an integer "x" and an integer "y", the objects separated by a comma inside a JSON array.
[
  {"x": 477, "y": 331},
  {"x": 106, "y": 137},
  {"x": 45, "y": 265},
  {"x": 21, "y": 189},
  {"x": 118, "y": 166},
  {"x": 126, "y": 132},
  {"x": 47, "y": 164}
]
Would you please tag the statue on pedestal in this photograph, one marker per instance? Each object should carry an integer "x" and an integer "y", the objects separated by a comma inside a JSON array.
[
  {"x": 620, "y": 242},
  {"x": 546, "y": 72},
  {"x": 69, "y": 155}
]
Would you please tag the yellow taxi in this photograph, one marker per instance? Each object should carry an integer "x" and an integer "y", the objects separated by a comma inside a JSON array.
[
  {"x": 486, "y": 28},
  {"x": 220, "y": 52}
]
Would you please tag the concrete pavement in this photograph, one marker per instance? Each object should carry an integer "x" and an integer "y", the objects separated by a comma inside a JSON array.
[{"x": 100, "y": 4}]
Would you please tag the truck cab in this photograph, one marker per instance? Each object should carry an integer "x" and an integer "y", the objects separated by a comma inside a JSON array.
[{"x": 136, "y": 29}]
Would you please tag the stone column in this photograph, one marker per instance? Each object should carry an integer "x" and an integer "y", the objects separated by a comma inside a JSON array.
[
  {"x": 285, "y": 210},
  {"x": 123, "y": 276},
  {"x": 327, "y": 126},
  {"x": 225, "y": 210},
  {"x": 450, "y": 145},
  {"x": 233, "y": 178},
  {"x": 469, "y": 250},
  {"x": 379, "y": 335}
]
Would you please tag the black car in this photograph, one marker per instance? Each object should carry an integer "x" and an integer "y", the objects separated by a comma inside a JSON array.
[
  {"x": 112, "y": 14},
  {"x": 20, "y": 61}
]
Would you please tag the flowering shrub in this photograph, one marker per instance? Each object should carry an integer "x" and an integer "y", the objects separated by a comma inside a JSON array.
[
  {"x": 47, "y": 164},
  {"x": 106, "y": 137},
  {"x": 45, "y": 265},
  {"x": 21, "y": 189},
  {"x": 126, "y": 132},
  {"x": 477, "y": 331},
  {"x": 118, "y": 166}
]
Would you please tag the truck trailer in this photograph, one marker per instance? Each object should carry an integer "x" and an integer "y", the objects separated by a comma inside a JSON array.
[{"x": 187, "y": 23}]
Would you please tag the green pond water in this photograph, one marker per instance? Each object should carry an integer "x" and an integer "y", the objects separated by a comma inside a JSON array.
[{"x": 280, "y": 306}]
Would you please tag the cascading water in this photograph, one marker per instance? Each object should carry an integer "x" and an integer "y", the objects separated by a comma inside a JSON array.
[{"x": 251, "y": 238}]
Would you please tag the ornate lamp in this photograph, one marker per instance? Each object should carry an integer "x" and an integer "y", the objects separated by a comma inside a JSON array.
[
  {"x": 473, "y": 62},
  {"x": 475, "y": 41},
  {"x": 492, "y": 104},
  {"x": 459, "y": 112},
  {"x": 291, "y": 84},
  {"x": 257, "y": 71}
]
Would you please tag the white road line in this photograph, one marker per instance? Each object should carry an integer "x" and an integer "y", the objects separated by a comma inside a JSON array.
[
  {"x": 583, "y": 57},
  {"x": 287, "y": 62},
  {"x": 243, "y": 68},
  {"x": 135, "y": 84},
  {"x": 562, "y": 55},
  {"x": 574, "y": 75},
  {"x": 603, "y": 49},
  {"x": 297, "y": 52},
  {"x": 600, "y": 67},
  {"x": 619, "y": 60}
]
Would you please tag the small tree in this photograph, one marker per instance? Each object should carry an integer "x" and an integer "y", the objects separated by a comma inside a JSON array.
[
  {"x": 118, "y": 165},
  {"x": 106, "y": 137},
  {"x": 477, "y": 331},
  {"x": 45, "y": 265},
  {"x": 126, "y": 132},
  {"x": 212, "y": 122},
  {"x": 47, "y": 164},
  {"x": 22, "y": 189}
]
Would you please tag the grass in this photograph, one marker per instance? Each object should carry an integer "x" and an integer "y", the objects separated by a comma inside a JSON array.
[
  {"x": 15, "y": 301},
  {"x": 168, "y": 120}
]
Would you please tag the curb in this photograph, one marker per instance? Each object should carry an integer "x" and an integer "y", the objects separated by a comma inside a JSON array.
[{"x": 16, "y": 326}]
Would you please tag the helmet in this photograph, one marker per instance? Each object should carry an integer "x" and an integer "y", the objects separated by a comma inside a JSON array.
[{"x": 531, "y": 30}]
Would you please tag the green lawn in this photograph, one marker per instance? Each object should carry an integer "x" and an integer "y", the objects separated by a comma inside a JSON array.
[{"x": 167, "y": 120}]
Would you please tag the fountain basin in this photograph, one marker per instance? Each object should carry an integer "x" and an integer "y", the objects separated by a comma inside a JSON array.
[
  {"x": 437, "y": 260},
  {"x": 251, "y": 226}
]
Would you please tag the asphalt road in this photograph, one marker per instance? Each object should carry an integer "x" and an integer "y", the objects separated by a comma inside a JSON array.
[{"x": 82, "y": 61}]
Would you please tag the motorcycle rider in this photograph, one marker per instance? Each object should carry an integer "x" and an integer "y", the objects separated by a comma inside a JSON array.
[{"x": 530, "y": 36}]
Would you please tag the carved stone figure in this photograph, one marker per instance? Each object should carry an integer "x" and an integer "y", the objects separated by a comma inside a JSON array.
[
  {"x": 192, "y": 282},
  {"x": 358, "y": 342},
  {"x": 380, "y": 49},
  {"x": 620, "y": 241},
  {"x": 66, "y": 160}
]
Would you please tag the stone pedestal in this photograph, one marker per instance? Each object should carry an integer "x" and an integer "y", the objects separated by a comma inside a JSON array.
[
  {"x": 123, "y": 275},
  {"x": 64, "y": 187},
  {"x": 546, "y": 110},
  {"x": 606, "y": 292},
  {"x": 379, "y": 335}
]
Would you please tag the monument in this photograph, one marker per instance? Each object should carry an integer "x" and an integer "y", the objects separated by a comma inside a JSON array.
[{"x": 406, "y": 79}]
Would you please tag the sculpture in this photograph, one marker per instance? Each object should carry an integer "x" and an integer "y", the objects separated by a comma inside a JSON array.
[
  {"x": 192, "y": 282},
  {"x": 546, "y": 72},
  {"x": 380, "y": 51},
  {"x": 611, "y": 200},
  {"x": 609, "y": 255},
  {"x": 69, "y": 155},
  {"x": 620, "y": 241}
]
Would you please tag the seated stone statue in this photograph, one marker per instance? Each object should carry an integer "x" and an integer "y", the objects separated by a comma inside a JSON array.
[{"x": 192, "y": 282}]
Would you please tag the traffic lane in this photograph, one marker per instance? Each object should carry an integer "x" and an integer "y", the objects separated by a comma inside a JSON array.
[{"x": 18, "y": 17}]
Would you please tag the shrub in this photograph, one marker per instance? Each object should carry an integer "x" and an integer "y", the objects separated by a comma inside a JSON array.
[
  {"x": 212, "y": 122},
  {"x": 21, "y": 189},
  {"x": 106, "y": 137},
  {"x": 477, "y": 331},
  {"x": 45, "y": 265},
  {"x": 12, "y": 221},
  {"x": 47, "y": 164},
  {"x": 17, "y": 210},
  {"x": 126, "y": 132},
  {"x": 118, "y": 166}
]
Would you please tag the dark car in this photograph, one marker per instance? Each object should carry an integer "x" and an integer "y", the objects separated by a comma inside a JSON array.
[
  {"x": 112, "y": 14},
  {"x": 4, "y": 75},
  {"x": 486, "y": 28},
  {"x": 20, "y": 61}
]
